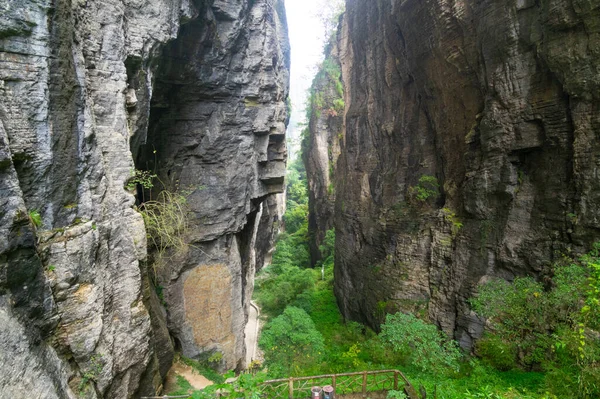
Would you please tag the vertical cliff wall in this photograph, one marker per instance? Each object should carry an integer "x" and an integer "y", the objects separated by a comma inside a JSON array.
[
  {"x": 217, "y": 135},
  {"x": 321, "y": 147},
  {"x": 470, "y": 150},
  {"x": 83, "y": 86}
]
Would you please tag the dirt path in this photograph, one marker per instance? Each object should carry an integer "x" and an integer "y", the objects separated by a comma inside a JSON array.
[
  {"x": 196, "y": 380},
  {"x": 251, "y": 332}
]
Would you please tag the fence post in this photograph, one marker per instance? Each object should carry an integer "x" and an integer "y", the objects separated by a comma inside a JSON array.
[
  {"x": 333, "y": 382},
  {"x": 291, "y": 388},
  {"x": 364, "y": 384},
  {"x": 395, "y": 380}
]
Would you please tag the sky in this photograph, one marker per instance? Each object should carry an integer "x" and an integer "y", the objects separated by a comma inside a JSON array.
[{"x": 307, "y": 35}]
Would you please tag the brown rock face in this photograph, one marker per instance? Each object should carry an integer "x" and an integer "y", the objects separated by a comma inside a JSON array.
[{"x": 495, "y": 101}]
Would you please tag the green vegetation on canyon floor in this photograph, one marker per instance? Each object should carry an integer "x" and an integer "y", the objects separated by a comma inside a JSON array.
[
  {"x": 542, "y": 340},
  {"x": 541, "y": 343}
]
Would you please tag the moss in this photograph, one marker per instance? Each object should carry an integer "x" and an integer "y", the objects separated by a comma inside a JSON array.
[{"x": 251, "y": 102}]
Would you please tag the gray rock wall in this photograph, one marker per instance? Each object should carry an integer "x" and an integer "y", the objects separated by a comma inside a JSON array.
[
  {"x": 496, "y": 100},
  {"x": 77, "y": 85},
  {"x": 321, "y": 147}
]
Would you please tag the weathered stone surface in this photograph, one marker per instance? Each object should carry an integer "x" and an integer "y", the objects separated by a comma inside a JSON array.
[
  {"x": 217, "y": 135},
  {"x": 498, "y": 100},
  {"x": 77, "y": 90},
  {"x": 321, "y": 148}
]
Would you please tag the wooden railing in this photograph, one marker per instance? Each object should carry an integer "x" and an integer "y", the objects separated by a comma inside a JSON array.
[
  {"x": 346, "y": 383},
  {"x": 360, "y": 382}
]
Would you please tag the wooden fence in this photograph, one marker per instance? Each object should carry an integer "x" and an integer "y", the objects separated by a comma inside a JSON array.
[{"x": 346, "y": 383}]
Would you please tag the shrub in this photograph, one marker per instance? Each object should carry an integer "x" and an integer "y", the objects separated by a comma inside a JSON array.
[
  {"x": 427, "y": 189},
  {"x": 497, "y": 353},
  {"x": 555, "y": 328},
  {"x": 424, "y": 345},
  {"x": 166, "y": 222}
]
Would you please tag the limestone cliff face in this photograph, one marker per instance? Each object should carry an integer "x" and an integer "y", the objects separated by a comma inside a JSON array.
[
  {"x": 216, "y": 134},
  {"x": 83, "y": 86},
  {"x": 497, "y": 102},
  {"x": 321, "y": 147}
]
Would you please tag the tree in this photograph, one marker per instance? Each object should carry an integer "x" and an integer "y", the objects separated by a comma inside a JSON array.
[{"x": 291, "y": 343}]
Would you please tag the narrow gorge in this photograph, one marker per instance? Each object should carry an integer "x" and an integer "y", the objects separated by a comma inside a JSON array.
[{"x": 146, "y": 197}]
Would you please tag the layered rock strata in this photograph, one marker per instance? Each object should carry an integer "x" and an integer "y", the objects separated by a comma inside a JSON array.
[
  {"x": 83, "y": 86},
  {"x": 470, "y": 150}
]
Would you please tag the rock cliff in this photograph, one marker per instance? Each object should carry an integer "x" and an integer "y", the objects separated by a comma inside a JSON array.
[
  {"x": 470, "y": 150},
  {"x": 90, "y": 91},
  {"x": 321, "y": 147}
]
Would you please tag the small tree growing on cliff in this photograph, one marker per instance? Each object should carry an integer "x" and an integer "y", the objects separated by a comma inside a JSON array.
[{"x": 425, "y": 192}]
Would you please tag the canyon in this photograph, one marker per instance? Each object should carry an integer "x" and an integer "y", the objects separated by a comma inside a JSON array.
[{"x": 449, "y": 143}]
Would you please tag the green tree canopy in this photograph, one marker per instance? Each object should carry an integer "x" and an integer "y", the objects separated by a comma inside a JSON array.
[{"x": 291, "y": 342}]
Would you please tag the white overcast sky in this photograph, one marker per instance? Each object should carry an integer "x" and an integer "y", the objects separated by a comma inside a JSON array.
[{"x": 306, "y": 39}]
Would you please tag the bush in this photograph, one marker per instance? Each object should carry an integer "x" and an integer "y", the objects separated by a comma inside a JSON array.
[
  {"x": 424, "y": 345},
  {"x": 555, "y": 328},
  {"x": 497, "y": 353},
  {"x": 427, "y": 189},
  {"x": 166, "y": 222}
]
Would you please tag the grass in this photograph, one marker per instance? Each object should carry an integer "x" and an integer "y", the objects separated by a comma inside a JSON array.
[
  {"x": 183, "y": 387},
  {"x": 204, "y": 370}
]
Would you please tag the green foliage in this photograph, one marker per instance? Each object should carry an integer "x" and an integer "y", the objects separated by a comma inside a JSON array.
[
  {"x": 90, "y": 373},
  {"x": 423, "y": 343},
  {"x": 396, "y": 395},
  {"x": 451, "y": 217},
  {"x": 496, "y": 352},
  {"x": 327, "y": 248},
  {"x": 520, "y": 309},
  {"x": 143, "y": 178},
  {"x": 295, "y": 217},
  {"x": 556, "y": 329},
  {"x": 291, "y": 342},
  {"x": 183, "y": 387},
  {"x": 338, "y": 103},
  {"x": 327, "y": 91},
  {"x": 427, "y": 188},
  {"x": 35, "y": 218},
  {"x": 215, "y": 357},
  {"x": 204, "y": 369},
  {"x": 248, "y": 386},
  {"x": 282, "y": 285}
]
